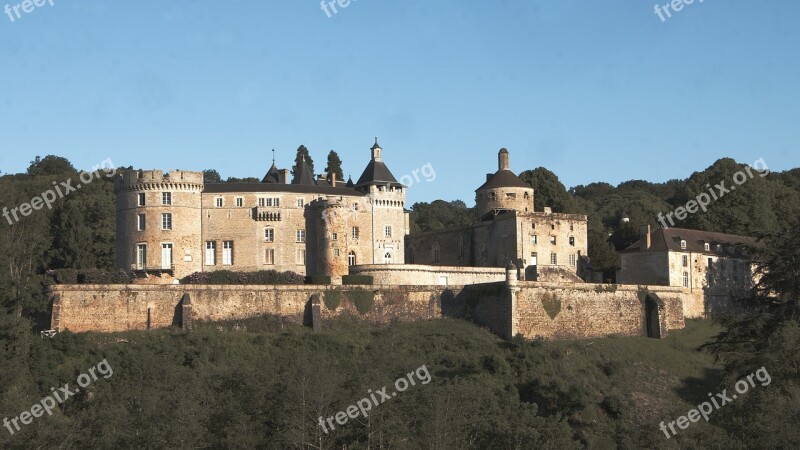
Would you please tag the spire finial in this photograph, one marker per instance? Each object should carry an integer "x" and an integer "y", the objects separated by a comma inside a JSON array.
[
  {"x": 273, "y": 156},
  {"x": 376, "y": 140}
]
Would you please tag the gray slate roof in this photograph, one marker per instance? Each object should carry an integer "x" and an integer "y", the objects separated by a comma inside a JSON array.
[{"x": 503, "y": 178}]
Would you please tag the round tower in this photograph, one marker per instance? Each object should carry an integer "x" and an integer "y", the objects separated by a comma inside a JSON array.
[
  {"x": 503, "y": 191},
  {"x": 329, "y": 254},
  {"x": 159, "y": 224}
]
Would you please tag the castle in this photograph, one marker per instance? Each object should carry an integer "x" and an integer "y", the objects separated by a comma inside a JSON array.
[
  {"x": 513, "y": 270},
  {"x": 170, "y": 225}
]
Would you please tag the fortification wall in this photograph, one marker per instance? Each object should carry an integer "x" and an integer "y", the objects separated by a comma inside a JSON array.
[
  {"x": 110, "y": 308},
  {"x": 587, "y": 310},
  {"x": 416, "y": 274},
  {"x": 532, "y": 309}
]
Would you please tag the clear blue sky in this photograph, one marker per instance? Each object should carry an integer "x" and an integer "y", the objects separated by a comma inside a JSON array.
[{"x": 592, "y": 90}]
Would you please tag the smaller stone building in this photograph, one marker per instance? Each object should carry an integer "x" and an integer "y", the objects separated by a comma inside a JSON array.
[
  {"x": 506, "y": 229},
  {"x": 714, "y": 267}
]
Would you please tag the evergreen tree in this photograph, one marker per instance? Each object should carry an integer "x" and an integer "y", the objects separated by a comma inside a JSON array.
[
  {"x": 334, "y": 166},
  {"x": 302, "y": 152}
]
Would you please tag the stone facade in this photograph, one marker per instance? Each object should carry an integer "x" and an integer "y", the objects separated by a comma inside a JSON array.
[
  {"x": 170, "y": 225},
  {"x": 506, "y": 229},
  {"x": 712, "y": 267}
]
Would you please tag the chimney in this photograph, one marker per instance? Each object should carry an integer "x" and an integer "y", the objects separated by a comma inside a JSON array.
[
  {"x": 644, "y": 235},
  {"x": 502, "y": 159},
  {"x": 333, "y": 179}
]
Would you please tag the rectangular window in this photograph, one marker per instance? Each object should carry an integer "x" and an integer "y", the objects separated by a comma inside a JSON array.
[
  {"x": 218, "y": 202},
  {"x": 686, "y": 279},
  {"x": 166, "y": 198},
  {"x": 534, "y": 239},
  {"x": 301, "y": 235},
  {"x": 211, "y": 253},
  {"x": 683, "y": 244},
  {"x": 140, "y": 222},
  {"x": 239, "y": 202},
  {"x": 685, "y": 261},
  {"x": 166, "y": 221},
  {"x": 301, "y": 256},
  {"x": 269, "y": 234},
  {"x": 710, "y": 262},
  {"x": 572, "y": 241},
  {"x": 571, "y": 228},
  {"x": 141, "y": 256},
  {"x": 301, "y": 202},
  {"x": 269, "y": 256},
  {"x": 336, "y": 252},
  {"x": 227, "y": 253},
  {"x": 166, "y": 256},
  {"x": 141, "y": 199},
  {"x": 262, "y": 202},
  {"x": 334, "y": 236},
  {"x": 552, "y": 240},
  {"x": 355, "y": 232},
  {"x": 707, "y": 246},
  {"x": 572, "y": 260},
  {"x": 355, "y": 206},
  {"x": 553, "y": 258},
  {"x": 387, "y": 231}
]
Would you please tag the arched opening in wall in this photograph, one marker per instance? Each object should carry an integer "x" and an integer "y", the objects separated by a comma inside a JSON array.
[
  {"x": 351, "y": 258},
  {"x": 651, "y": 317},
  {"x": 387, "y": 258},
  {"x": 435, "y": 252}
]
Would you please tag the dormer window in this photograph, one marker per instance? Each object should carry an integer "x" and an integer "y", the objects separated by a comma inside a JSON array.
[
  {"x": 707, "y": 246},
  {"x": 683, "y": 244}
]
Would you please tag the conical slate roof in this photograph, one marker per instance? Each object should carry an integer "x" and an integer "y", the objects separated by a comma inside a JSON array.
[
  {"x": 376, "y": 172},
  {"x": 305, "y": 176},
  {"x": 272, "y": 176},
  {"x": 349, "y": 182}
]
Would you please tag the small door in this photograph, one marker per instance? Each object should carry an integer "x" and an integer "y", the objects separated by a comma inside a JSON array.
[{"x": 166, "y": 256}]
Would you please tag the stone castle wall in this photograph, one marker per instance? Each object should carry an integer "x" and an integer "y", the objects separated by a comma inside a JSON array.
[{"x": 549, "y": 310}]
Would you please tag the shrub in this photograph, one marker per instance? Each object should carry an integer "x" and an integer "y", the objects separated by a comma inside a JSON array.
[
  {"x": 356, "y": 279},
  {"x": 88, "y": 276},
  {"x": 230, "y": 277},
  {"x": 318, "y": 279}
]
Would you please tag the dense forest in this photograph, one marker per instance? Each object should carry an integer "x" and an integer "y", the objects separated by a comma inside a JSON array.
[{"x": 263, "y": 383}]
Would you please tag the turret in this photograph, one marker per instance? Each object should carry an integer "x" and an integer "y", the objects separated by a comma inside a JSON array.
[{"x": 503, "y": 191}]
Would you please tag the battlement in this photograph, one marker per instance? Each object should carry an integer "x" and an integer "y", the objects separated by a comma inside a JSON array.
[{"x": 138, "y": 180}]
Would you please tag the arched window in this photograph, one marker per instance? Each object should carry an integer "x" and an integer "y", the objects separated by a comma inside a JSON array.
[
  {"x": 351, "y": 258},
  {"x": 387, "y": 258}
]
